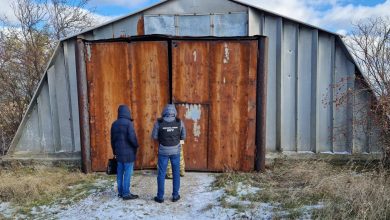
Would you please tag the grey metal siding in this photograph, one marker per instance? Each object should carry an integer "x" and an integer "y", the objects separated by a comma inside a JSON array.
[
  {"x": 51, "y": 78},
  {"x": 325, "y": 74},
  {"x": 361, "y": 108},
  {"x": 70, "y": 64},
  {"x": 62, "y": 99},
  {"x": 44, "y": 113},
  {"x": 156, "y": 24},
  {"x": 288, "y": 86},
  {"x": 272, "y": 29},
  {"x": 187, "y": 27},
  {"x": 28, "y": 142},
  {"x": 342, "y": 126},
  {"x": 306, "y": 51},
  {"x": 234, "y": 24}
]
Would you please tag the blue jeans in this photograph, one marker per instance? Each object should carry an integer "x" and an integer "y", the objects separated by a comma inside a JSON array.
[
  {"x": 124, "y": 172},
  {"x": 162, "y": 168}
]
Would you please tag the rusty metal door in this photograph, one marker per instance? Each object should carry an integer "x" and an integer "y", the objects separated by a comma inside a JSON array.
[
  {"x": 135, "y": 74},
  {"x": 214, "y": 87}
]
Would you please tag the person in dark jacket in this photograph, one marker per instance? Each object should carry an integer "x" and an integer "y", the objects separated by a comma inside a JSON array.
[
  {"x": 124, "y": 146},
  {"x": 169, "y": 131}
]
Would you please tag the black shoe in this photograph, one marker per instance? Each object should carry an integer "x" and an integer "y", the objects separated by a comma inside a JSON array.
[
  {"x": 130, "y": 197},
  {"x": 176, "y": 199},
  {"x": 158, "y": 200},
  {"x": 135, "y": 196},
  {"x": 119, "y": 195}
]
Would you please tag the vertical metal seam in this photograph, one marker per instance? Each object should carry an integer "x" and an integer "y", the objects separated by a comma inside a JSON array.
[
  {"x": 66, "y": 64},
  {"x": 279, "y": 61},
  {"x": 331, "y": 91},
  {"x": 296, "y": 85},
  {"x": 313, "y": 89},
  {"x": 170, "y": 73}
]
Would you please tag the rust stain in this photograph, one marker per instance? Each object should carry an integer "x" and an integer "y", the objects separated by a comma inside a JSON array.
[
  {"x": 135, "y": 74},
  {"x": 149, "y": 89},
  {"x": 140, "y": 26},
  {"x": 218, "y": 78},
  {"x": 232, "y": 137},
  {"x": 190, "y": 64}
]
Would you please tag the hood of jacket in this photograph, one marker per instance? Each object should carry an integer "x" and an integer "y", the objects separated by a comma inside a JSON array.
[
  {"x": 169, "y": 113},
  {"x": 124, "y": 112}
]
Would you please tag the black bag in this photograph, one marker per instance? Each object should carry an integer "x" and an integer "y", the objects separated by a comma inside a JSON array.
[{"x": 111, "y": 166}]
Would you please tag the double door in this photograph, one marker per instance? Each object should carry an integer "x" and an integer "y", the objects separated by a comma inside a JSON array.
[{"x": 211, "y": 82}]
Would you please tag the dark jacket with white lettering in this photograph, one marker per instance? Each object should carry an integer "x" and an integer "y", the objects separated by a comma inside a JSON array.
[
  {"x": 123, "y": 138},
  {"x": 168, "y": 118}
]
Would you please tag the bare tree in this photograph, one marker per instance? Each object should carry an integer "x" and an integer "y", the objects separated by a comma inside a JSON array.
[
  {"x": 369, "y": 43},
  {"x": 68, "y": 16},
  {"x": 25, "y": 47}
]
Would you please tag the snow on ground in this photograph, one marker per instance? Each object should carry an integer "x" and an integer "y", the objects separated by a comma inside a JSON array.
[{"x": 198, "y": 201}]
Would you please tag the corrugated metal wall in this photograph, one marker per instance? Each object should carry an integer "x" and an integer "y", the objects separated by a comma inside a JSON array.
[
  {"x": 305, "y": 64},
  {"x": 51, "y": 125}
]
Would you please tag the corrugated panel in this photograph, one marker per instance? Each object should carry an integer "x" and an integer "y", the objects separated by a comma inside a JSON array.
[
  {"x": 304, "y": 89},
  {"x": 288, "y": 87},
  {"x": 160, "y": 24},
  {"x": 256, "y": 22},
  {"x": 105, "y": 32},
  {"x": 126, "y": 27},
  {"x": 62, "y": 98},
  {"x": 51, "y": 79},
  {"x": 70, "y": 63},
  {"x": 135, "y": 74},
  {"x": 187, "y": 25},
  {"x": 342, "y": 126},
  {"x": 324, "y": 123},
  {"x": 191, "y": 63},
  {"x": 231, "y": 24},
  {"x": 233, "y": 105},
  {"x": 195, "y": 118},
  {"x": 197, "y": 7},
  {"x": 361, "y": 108},
  {"x": 44, "y": 113},
  {"x": 272, "y": 29},
  {"x": 30, "y": 141}
]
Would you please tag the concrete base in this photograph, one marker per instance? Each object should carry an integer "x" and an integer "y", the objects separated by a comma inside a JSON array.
[
  {"x": 328, "y": 157},
  {"x": 57, "y": 159}
]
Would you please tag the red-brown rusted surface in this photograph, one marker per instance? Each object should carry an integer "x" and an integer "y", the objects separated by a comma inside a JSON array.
[
  {"x": 135, "y": 74},
  {"x": 195, "y": 118},
  {"x": 149, "y": 89},
  {"x": 233, "y": 105},
  {"x": 140, "y": 26},
  {"x": 222, "y": 76},
  {"x": 190, "y": 64}
]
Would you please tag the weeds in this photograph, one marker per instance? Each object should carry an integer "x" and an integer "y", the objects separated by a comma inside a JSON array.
[
  {"x": 343, "y": 192},
  {"x": 28, "y": 187}
]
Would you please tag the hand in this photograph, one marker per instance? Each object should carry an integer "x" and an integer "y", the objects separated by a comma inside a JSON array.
[{"x": 181, "y": 142}]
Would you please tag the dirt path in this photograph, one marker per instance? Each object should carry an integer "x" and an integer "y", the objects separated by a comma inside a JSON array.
[{"x": 198, "y": 201}]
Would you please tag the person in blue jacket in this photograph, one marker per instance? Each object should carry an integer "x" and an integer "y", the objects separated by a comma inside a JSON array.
[
  {"x": 170, "y": 132},
  {"x": 124, "y": 146}
]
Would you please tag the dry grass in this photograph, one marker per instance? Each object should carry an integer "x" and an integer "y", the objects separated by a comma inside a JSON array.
[
  {"x": 40, "y": 185},
  {"x": 344, "y": 192}
]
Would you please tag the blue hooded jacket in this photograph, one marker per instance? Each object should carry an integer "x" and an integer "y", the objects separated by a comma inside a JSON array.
[
  {"x": 123, "y": 138},
  {"x": 169, "y": 114}
]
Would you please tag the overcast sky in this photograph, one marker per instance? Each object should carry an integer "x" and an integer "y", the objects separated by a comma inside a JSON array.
[{"x": 333, "y": 15}]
